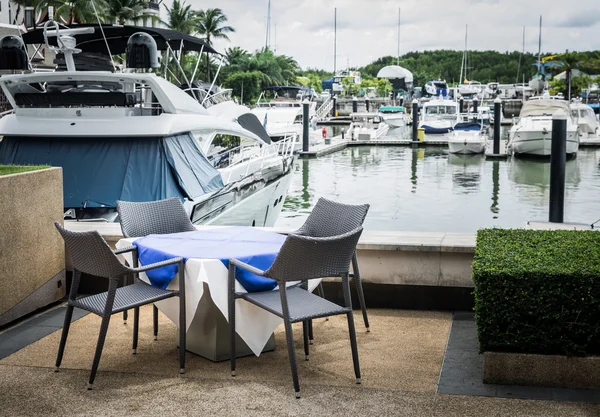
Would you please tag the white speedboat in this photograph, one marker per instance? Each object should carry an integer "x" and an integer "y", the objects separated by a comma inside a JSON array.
[
  {"x": 134, "y": 136},
  {"x": 589, "y": 127},
  {"x": 436, "y": 88},
  {"x": 470, "y": 88},
  {"x": 438, "y": 119},
  {"x": 367, "y": 126},
  {"x": 468, "y": 138},
  {"x": 394, "y": 116},
  {"x": 532, "y": 133}
]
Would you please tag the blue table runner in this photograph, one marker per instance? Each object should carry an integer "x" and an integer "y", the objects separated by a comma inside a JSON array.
[{"x": 255, "y": 247}]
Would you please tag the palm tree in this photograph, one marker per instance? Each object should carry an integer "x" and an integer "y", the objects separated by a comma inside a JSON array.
[
  {"x": 210, "y": 25},
  {"x": 75, "y": 11},
  {"x": 181, "y": 17},
  {"x": 121, "y": 11}
]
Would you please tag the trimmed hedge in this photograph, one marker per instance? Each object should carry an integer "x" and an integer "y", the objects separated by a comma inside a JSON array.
[{"x": 538, "y": 291}]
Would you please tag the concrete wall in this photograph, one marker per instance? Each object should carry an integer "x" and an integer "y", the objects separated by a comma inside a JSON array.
[
  {"x": 387, "y": 258},
  {"x": 31, "y": 249}
]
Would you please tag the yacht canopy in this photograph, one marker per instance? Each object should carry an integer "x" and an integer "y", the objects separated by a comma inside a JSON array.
[
  {"x": 544, "y": 107},
  {"x": 99, "y": 171},
  {"x": 118, "y": 35},
  {"x": 395, "y": 72}
]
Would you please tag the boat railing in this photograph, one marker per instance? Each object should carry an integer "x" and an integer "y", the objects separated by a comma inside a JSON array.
[{"x": 246, "y": 153}]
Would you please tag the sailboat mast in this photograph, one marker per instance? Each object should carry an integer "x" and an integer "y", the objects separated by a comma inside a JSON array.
[
  {"x": 540, "y": 47},
  {"x": 463, "y": 62},
  {"x": 521, "y": 57},
  {"x": 466, "y": 56},
  {"x": 334, "y": 41},
  {"x": 268, "y": 36},
  {"x": 398, "y": 55}
]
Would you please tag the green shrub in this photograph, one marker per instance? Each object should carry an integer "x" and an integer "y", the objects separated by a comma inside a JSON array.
[
  {"x": 16, "y": 169},
  {"x": 538, "y": 291}
]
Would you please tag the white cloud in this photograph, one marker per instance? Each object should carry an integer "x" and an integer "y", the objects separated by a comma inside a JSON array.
[{"x": 367, "y": 28}]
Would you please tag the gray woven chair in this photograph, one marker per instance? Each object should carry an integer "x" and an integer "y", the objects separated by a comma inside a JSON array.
[
  {"x": 329, "y": 218},
  {"x": 153, "y": 218},
  {"x": 90, "y": 254},
  {"x": 301, "y": 258}
]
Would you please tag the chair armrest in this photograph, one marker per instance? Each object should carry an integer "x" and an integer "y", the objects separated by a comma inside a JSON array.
[
  {"x": 158, "y": 265},
  {"x": 247, "y": 267},
  {"x": 125, "y": 250}
]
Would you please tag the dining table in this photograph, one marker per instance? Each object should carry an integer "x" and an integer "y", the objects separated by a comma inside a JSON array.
[{"x": 206, "y": 254}]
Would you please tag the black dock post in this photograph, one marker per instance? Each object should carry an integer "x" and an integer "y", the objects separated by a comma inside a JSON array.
[
  {"x": 333, "y": 110},
  {"x": 305, "y": 123},
  {"x": 461, "y": 105},
  {"x": 475, "y": 105},
  {"x": 558, "y": 161},
  {"x": 367, "y": 104},
  {"x": 497, "y": 125},
  {"x": 415, "y": 120},
  {"x": 354, "y": 105}
]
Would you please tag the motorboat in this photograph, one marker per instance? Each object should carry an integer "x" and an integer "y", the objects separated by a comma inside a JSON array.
[
  {"x": 436, "y": 88},
  {"x": 280, "y": 110},
  {"x": 394, "y": 116},
  {"x": 468, "y": 137},
  {"x": 531, "y": 134},
  {"x": 367, "y": 126},
  {"x": 589, "y": 127},
  {"x": 132, "y": 135},
  {"x": 484, "y": 114},
  {"x": 438, "y": 118},
  {"x": 470, "y": 88}
]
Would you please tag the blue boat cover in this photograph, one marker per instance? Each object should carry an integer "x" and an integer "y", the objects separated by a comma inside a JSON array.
[
  {"x": 99, "y": 171},
  {"x": 255, "y": 247},
  {"x": 436, "y": 130},
  {"x": 471, "y": 126}
]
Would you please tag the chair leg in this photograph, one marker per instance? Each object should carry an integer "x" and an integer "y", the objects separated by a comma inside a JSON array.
[
  {"x": 305, "y": 330},
  {"x": 321, "y": 292},
  {"x": 125, "y": 317},
  {"x": 311, "y": 336},
  {"x": 232, "y": 352},
  {"x": 136, "y": 327},
  {"x": 292, "y": 354},
  {"x": 63, "y": 337},
  {"x": 125, "y": 282},
  {"x": 354, "y": 346},
  {"x": 155, "y": 320},
  {"x": 359, "y": 290},
  {"x": 99, "y": 347},
  {"x": 182, "y": 329}
]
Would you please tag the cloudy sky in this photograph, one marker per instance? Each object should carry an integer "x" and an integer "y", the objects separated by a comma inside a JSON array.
[{"x": 367, "y": 29}]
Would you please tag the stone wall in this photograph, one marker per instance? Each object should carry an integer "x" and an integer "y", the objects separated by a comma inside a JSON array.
[{"x": 32, "y": 257}]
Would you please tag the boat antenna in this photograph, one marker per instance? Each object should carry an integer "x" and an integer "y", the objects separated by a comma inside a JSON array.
[
  {"x": 104, "y": 36},
  {"x": 334, "y": 41},
  {"x": 521, "y": 57},
  {"x": 398, "y": 56}
]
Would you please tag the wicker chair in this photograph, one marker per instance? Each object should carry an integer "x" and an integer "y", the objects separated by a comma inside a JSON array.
[
  {"x": 91, "y": 254},
  {"x": 153, "y": 218},
  {"x": 329, "y": 218},
  {"x": 301, "y": 258}
]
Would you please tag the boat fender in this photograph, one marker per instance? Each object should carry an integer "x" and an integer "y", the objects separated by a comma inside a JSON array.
[{"x": 324, "y": 132}]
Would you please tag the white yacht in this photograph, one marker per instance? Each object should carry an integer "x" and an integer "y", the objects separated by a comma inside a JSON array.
[
  {"x": 532, "y": 133},
  {"x": 438, "y": 118},
  {"x": 393, "y": 116},
  {"x": 468, "y": 137},
  {"x": 471, "y": 88},
  {"x": 279, "y": 109},
  {"x": 436, "y": 88},
  {"x": 135, "y": 136},
  {"x": 589, "y": 127}
]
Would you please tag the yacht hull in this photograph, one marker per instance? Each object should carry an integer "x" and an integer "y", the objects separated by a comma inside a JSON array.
[
  {"x": 394, "y": 121},
  {"x": 467, "y": 144},
  {"x": 539, "y": 143}
]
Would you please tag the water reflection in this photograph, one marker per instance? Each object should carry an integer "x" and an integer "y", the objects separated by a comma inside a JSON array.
[
  {"x": 536, "y": 172},
  {"x": 495, "y": 187},
  {"x": 466, "y": 171}
]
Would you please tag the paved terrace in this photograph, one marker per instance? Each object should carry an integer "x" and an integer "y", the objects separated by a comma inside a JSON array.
[{"x": 413, "y": 362}]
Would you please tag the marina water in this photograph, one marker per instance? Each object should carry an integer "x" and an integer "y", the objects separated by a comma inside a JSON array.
[{"x": 428, "y": 189}]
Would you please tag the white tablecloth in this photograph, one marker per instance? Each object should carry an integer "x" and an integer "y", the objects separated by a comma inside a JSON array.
[{"x": 253, "y": 324}]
